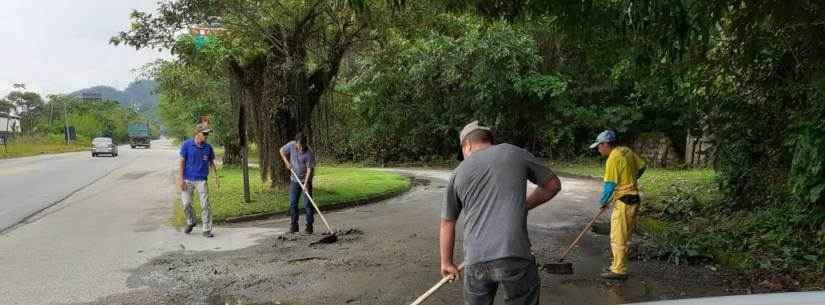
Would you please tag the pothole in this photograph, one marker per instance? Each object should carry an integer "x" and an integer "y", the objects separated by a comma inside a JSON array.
[
  {"x": 134, "y": 175},
  {"x": 420, "y": 182}
]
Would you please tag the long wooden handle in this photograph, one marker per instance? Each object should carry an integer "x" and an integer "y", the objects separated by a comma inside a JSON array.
[
  {"x": 432, "y": 290},
  {"x": 564, "y": 254},
  {"x": 303, "y": 187}
]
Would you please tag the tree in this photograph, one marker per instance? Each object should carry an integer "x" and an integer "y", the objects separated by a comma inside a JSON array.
[
  {"x": 282, "y": 54},
  {"x": 188, "y": 92},
  {"x": 6, "y": 106},
  {"x": 28, "y": 104},
  {"x": 413, "y": 95}
]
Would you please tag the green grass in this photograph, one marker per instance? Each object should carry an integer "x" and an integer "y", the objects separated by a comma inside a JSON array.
[
  {"x": 24, "y": 146},
  {"x": 333, "y": 185},
  {"x": 252, "y": 155},
  {"x": 657, "y": 183}
]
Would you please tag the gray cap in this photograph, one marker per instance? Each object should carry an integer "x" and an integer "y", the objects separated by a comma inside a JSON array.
[
  {"x": 604, "y": 137},
  {"x": 203, "y": 128},
  {"x": 473, "y": 126}
]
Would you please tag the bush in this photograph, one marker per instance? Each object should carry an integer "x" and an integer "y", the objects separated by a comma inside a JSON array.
[
  {"x": 414, "y": 95},
  {"x": 808, "y": 171},
  {"x": 783, "y": 237}
]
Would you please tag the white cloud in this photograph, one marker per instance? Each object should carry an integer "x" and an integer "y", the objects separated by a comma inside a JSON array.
[{"x": 58, "y": 46}]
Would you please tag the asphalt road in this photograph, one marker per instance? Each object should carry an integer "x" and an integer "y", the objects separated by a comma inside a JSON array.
[
  {"x": 109, "y": 241},
  {"x": 387, "y": 253},
  {"x": 28, "y": 185},
  {"x": 106, "y": 216}
]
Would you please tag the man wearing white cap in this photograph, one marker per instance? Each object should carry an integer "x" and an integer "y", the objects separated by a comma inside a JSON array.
[
  {"x": 621, "y": 174},
  {"x": 490, "y": 189},
  {"x": 196, "y": 157}
]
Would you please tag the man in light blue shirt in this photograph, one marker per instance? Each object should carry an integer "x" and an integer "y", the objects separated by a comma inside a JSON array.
[{"x": 298, "y": 157}]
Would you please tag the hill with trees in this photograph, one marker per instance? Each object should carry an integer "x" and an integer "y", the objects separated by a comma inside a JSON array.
[{"x": 140, "y": 94}]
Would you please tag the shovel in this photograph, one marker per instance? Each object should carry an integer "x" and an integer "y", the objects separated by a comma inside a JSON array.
[
  {"x": 561, "y": 267},
  {"x": 331, "y": 237}
]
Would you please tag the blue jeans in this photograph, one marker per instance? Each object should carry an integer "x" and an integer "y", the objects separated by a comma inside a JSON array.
[
  {"x": 295, "y": 193},
  {"x": 519, "y": 277}
]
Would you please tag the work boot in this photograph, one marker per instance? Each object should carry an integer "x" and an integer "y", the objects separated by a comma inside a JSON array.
[
  {"x": 188, "y": 229},
  {"x": 293, "y": 228},
  {"x": 208, "y": 234},
  {"x": 614, "y": 276},
  {"x": 308, "y": 229}
]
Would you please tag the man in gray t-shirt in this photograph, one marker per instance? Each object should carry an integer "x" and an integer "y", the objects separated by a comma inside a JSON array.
[
  {"x": 299, "y": 158},
  {"x": 490, "y": 189}
]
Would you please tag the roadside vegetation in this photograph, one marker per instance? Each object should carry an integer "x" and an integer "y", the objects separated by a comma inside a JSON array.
[
  {"x": 548, "y": 76},
  {"x": 23, "y": 146},
  {"x": 333, "y": 186},
  {"x": 685, "y": 219},
  {"x": 42, "y": 122}
]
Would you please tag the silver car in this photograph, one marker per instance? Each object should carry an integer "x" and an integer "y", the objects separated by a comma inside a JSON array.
[{"x": 104, "y": 145}]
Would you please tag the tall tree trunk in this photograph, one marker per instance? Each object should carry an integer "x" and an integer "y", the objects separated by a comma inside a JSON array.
[
  {"x": 274, "y": 84},
  {"x": 231, "y": 154},
  {"x": 241, "y": 102},
  {"x": 240, "y": 99}
]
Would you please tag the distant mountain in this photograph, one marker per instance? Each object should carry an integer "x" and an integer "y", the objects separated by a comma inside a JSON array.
[{"x": 139, "y": 93}]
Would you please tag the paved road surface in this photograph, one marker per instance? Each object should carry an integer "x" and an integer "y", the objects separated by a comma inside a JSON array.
[
  {"x": 111, "y": 243},
  {"x": 389, "y": 255},
  {"x": 28, "y": 185},
  {"x": 83, "y": 247}
]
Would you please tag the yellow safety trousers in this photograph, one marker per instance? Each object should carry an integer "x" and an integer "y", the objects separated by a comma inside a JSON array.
[{"x": 621, "y": 227}]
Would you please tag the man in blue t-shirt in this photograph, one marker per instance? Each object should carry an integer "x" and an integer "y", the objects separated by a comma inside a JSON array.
[
  {"x": 196, "y": 157},
  {"x": 298, "y": 157}
]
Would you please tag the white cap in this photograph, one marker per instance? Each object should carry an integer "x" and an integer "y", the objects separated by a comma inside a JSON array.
[{"x": 473, "y": 126}]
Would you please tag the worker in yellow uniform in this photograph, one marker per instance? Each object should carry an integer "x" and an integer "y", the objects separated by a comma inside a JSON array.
[{"x": 621, "y": 174}]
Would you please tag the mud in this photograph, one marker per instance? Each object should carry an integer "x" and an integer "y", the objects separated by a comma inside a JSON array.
[{"x": 392, "y": 257}]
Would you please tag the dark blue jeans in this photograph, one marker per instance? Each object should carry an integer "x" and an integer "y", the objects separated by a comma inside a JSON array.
[
  {"x": 296, "y": 193},
  {"x": 519, "y": 277}
]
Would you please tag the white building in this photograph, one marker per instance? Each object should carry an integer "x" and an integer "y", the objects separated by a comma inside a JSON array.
[{"x": 9, "y": 123}]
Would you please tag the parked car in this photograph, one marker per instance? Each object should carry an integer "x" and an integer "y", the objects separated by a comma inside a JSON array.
[
  {"x": 104, "y": 145},
  {"x": 792, "y": 298}
]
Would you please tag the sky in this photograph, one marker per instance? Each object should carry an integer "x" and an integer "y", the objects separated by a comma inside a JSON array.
[{"x": 59, "y": 46}]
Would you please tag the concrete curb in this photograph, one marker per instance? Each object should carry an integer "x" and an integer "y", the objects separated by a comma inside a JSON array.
[{"x": 347, "y": 204}]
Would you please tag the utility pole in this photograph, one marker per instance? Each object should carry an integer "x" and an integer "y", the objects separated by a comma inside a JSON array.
[{"x": 66, "y": 124}]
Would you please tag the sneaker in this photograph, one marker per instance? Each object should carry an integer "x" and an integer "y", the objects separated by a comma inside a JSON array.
[
  {"x": 614, "y": 276},
  {"x": 308, "y": 229},
  {"x": 293, "y": 228},
  {"x": 188, "y": 228},
  {"x": 208, "y": 234}
]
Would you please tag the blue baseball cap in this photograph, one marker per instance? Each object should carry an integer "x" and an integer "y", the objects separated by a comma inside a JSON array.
[{"x": 604, "y": 137}]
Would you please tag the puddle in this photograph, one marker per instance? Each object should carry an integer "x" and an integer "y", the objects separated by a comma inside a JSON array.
[
  {"x": 601, "y": 228},
  {"x": 420, "y": 182}
]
